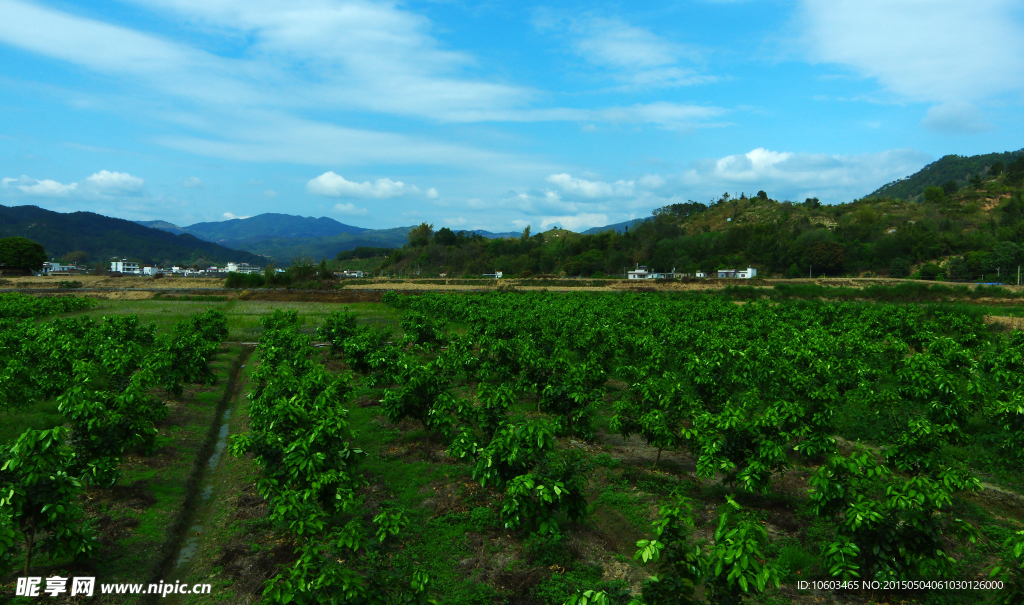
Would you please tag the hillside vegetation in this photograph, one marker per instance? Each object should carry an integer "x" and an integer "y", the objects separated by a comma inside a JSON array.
[
  {"x": 86, "y": 236},
  {"x": 954, "y": 232}
]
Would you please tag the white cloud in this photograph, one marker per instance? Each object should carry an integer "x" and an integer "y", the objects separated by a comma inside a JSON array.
[
  {"x": 270, "y": 194},
  {"x": 101, "y": 184},
  {"x": 793, "y": 175},
  {"x": 330, "y": 184},
  {"x": 955, "y": 118},
  {"x": 432, "y": 194},
  {"x": 591, "y": 189},
  {"x": 114, "y": 183},
  {"x": 350, "y": 208},
  {"x": 940, "y": 51},
  {"x": 293, "y": 57},
  {"x": 636, "y": 57},
  {"x": 229, "y": 216},
  {"x": 43, "y": 188},
  {"x": 192, "y": 182},
  {"x": 575, "y": 222}
]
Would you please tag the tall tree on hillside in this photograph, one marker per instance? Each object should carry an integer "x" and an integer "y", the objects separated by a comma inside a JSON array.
[
  {"x": 420, "y": 235},
  {"x": 826, "y": 256}
]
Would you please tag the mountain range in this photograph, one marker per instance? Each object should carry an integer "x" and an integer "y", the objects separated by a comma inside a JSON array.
[
  {"x": 275, "y": 237},
  {"x": 102, "y": 238}
]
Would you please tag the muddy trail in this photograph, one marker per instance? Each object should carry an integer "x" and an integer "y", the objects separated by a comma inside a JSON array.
[{"x": 199, "y": 499}]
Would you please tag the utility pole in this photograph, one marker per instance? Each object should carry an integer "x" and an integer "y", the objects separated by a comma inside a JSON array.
[{"x": 810, "y": 272}]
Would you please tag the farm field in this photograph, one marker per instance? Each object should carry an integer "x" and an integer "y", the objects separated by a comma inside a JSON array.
[{"x": 529, "y": 447}]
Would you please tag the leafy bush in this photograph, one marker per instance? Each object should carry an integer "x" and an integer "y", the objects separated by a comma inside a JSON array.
[
  {"x": 899, "y": 268},
  {"x": 546, "y": 550},
  {"x": 483, "y": 519},
  {"x": 244, "y": 280}
]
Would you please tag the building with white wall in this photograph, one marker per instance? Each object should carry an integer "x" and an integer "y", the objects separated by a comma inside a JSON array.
[{"x": 124, "y": 266}]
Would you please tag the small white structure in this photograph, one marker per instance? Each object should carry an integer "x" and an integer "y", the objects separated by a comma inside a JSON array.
[
  {"x": 638, "y": 273},
  {"x": 151, "y": 270},
  {"x": 349, "y": 274},
  {"x": 737, "y": 273},
  {"x": 701, "y": 274},
  {"x": 123, "y": 266},
  {"x": 242, "y": 268},
  {"x": 495, "y": 275},
  {"x": 53, "y": 268}
]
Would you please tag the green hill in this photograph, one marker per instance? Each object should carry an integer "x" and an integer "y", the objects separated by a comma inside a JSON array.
[
  {"x": 956, "y": 168},
  {"x": 282, "y": 250},
  {"x": 102, "y": 238},
  {"x": 969, "y": 232}
]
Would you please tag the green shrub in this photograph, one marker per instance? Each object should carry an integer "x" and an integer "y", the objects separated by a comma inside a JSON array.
[
  {"x": 244, "y": 280},
  {"x": 483, "y": 519},
  {"x": 546, "y": 549},
  {"x": 899, "y": 267}
]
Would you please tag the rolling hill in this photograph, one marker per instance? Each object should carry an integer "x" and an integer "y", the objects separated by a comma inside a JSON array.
[
  {"x": 103, "y": 237},
  {"x": 956, "y": 168}
]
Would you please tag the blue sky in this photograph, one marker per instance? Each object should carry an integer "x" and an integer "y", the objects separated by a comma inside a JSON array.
[{"x": 490, "y": 115}]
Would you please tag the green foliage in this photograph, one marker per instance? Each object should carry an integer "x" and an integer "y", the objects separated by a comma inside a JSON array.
[
  {"x": 899, "y": 268},
  {"x": 22, "y": 306},
  {"x": 244, "y": 280},
  {"x": 21, "y": 253},
  {"x": 546, "y": 549},
  {"x": 483, "y": 519},
  {"x": 950, "y": 167},
  {"x": 101, "y": 237},
  {"x": 893, "y": 535},
  {"x": 301, "y": 439},
  {"x": 363, "y": 252},
  {"x": 337, "y": 328},
  {"x": 1011, "y": 572},
  {"x": 39, "y": 495}
]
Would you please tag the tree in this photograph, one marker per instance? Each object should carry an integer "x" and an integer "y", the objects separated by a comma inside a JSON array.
[
  {"x": 931, "y": 271},
  {"x": 950, "y": 187},
  {"x": 526, "y": 233},
  {"x": 1015, "y": 171},
  {"x": 1005, "y": 257},
  {"x": 934, "y": 195},
  {"x": 40, "y": 496},
  {"x": 956, "y": 269},
  {"x": 77, "y": 257},
  {"x": 761, "y": 195},
  {"x": 21, "y": 253},
  {"x": 446, "y": 237},
  {"x": 826, "y": 256},
  {"x": 420, "y": 235},
  {"x": 899, "y": 268},
  {"x": 996, "y": 168}
]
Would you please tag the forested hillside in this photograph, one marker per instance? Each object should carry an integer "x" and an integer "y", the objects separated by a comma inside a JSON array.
[
  {"x": 959, "y": 232},
  {"x": 951, "y": 168},
  {"x": 95, "y": 238}
]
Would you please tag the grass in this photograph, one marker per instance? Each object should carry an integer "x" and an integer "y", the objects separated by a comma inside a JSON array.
[
  {"x": 135, "y": 518},
  {"x": 40, "y": 416}
]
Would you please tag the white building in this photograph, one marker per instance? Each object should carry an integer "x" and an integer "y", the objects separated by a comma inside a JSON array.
[
  {"x": 346, "y": 274},
  {"x": 123, "y": 266},
  {"x": 151, "y": 270},
  {"x": 242, "y": 268},
  {"x": 638, "y": 273},
  {"x": 55, "y": 267},
  {"x": 737, "y": 273},
  {"x": 495, "y": 275}
]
